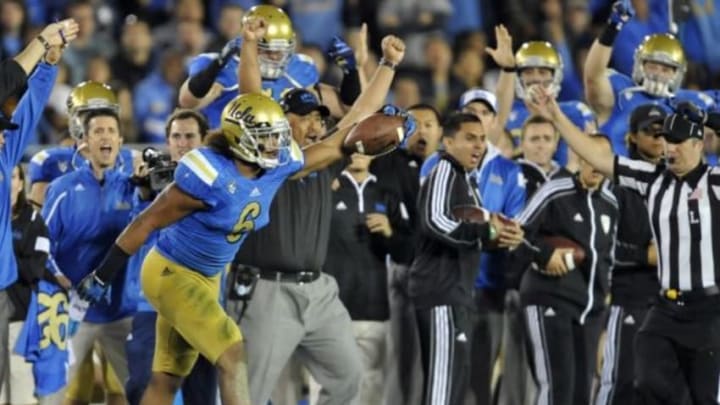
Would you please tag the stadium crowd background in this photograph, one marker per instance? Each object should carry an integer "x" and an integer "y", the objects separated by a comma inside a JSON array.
[{"x": 141, "y": 47}]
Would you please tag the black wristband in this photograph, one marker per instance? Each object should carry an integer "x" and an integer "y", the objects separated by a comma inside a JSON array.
[
  {"x": 115, "y": 261},
  {"x": 201, "y": 82},
  {"x": 607, "y": 37},
  {"x": 387, "y": 63},
  {"x": 350, "y": 87},
  {"x": 509, "y": 69}
]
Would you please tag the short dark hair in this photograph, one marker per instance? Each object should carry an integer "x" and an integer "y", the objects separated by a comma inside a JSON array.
[
  {"x": 186, "y": 113},
  {"x": 453, "y": 122},
  {"x": 88, "y": 115},
  {"x": 536, "y": 120},
  {"x": 429, "y": 107}
]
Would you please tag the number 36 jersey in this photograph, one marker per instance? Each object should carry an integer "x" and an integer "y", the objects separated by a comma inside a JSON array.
[{"x": 207, "y": 240}]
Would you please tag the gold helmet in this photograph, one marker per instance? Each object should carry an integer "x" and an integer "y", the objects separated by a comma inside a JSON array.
[
  {"x": 278, "y": 44},
  {"x": 257, "y": 130},
  {"x": 89, "y": 96},
  {"x": 538, "y": 54},
  {"x": 664, "y": 49}
]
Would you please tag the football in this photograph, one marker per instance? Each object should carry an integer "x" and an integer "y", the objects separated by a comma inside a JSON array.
[
  {"x": 375, "y": 135},
  {"x": 571, "y": 261}
]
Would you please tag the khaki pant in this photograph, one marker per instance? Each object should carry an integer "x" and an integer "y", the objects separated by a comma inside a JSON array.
[{"x": 21, "y": 387}]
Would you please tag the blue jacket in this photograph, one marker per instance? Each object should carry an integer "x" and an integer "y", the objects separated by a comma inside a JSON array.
[
  {"x": 84, "y": 218},
  {"x": 27, "y": 114},
  {"x": 501, "y": 185}
]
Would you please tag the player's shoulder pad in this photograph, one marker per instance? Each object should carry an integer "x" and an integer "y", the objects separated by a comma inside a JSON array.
[{"x": 200, "y": 163}]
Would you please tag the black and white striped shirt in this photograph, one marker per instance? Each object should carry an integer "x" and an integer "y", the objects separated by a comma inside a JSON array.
[{"x": 685, "y": 219}]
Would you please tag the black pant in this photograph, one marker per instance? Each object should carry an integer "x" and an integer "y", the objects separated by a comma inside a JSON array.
[
  {"x": 678, "y": 350},
  {"x": 617, "y": 377},
  {"x": 445, "y": 354},
  {"x": 562, "y": 354},
  {"x": 487, "y": 329}
]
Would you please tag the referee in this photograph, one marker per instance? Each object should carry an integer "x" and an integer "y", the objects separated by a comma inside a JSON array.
[{"x": 679, "y": 341}]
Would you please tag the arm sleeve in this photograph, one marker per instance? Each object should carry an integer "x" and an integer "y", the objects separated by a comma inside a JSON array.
[
  {"x": 12, "y": 78},
  {"x": 428, "y": 166},
  {"x": 435, "y": 211},
  {"x": 637, "y": 175},
  {"x": 52, "y": 213},
  {"x": 28, "y": 112}
]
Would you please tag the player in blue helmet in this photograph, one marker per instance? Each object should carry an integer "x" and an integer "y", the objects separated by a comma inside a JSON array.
[
  {"x": 536, "y": 62},
  {"x": 220, "y": 193},
  {"x": 213, "y": 80},
  {"x": 49, "y": 164},
  {"x": 658, "y": 72}
]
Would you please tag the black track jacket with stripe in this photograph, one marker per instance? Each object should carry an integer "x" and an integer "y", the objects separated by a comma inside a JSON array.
[
  {"x": 448, "y": 250},
  {"x": 562, "y": 207}
]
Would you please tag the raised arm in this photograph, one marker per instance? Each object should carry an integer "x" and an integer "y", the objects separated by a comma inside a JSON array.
[
  {"x": 322, "y": 154},
  {"x": 54, "y": 35},
  {"x": 30, "y": 109},
  {"x": 202, "y": 87},
  {"x": 598, "y": 89},
  {"x": 505, "y": 90},
  {"x": 249, "y": 78},
  {"x": 542, "y": 103}
]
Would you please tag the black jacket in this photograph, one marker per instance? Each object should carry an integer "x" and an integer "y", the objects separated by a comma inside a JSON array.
[
  {"x": 399, "y": 173},
  {"x": 536, "y": 176},
  {"x": 31, "y": 246},
  {"x": 562, "y": 207},
  {"x": 448, "y": 250},
  {"x": 356, "y": 257},
  {"x": 634, "y": 282}
]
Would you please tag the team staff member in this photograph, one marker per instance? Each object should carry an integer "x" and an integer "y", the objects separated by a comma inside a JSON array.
[
  {"x": 13, "y": 140},
  {"x": 399, "y": 172},
  {"x": 85, "y": 212},
  {"x": 184, "y": 131},
  {"x": 680, "y": 334},
  {"x": 562, "y": 304},
  {"x": 31, "y": 247},
  {"x": 634, "y": 284},
  {"x": 366, "y": 226},
  {"x": 49, "y": 164},
  {"x": 447, "y": 258},
  {"x": 319, "y": 330}
]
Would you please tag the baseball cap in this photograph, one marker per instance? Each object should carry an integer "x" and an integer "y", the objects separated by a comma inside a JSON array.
[
  {"x": 302, "y": 102},
  {"x": 645, "y": 115},
  {"x": 479, "y": 95},
  {"x": 5, "y": 123},
  {"x": 677, "y": 129}
]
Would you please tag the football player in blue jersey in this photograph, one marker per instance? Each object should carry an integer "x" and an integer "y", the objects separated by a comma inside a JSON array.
[
  {"x": 536, "y": 62},
  {"x": 220, "y": 193},
  {"x": 213, "y": 80},
  {"x": 658, "y": 72},
  {"x": 49, "y": 164}
]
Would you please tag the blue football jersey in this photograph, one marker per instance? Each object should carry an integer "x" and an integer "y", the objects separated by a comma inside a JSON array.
[
  {"x": 49, "y": 164},
  {"x": 43, "y": 338},
  {"x": 629, "y": 96},
  {"x": 715, "y": 96},
  {"x": 300, "y": 72},
  {"x": 207, "y": 240},
  {"x": 577, "y": 111}
]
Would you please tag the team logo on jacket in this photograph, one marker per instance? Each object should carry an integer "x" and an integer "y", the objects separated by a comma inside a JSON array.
[
  {"x": 605, "y": 222},
  {"x": 62, "y": 166}
]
